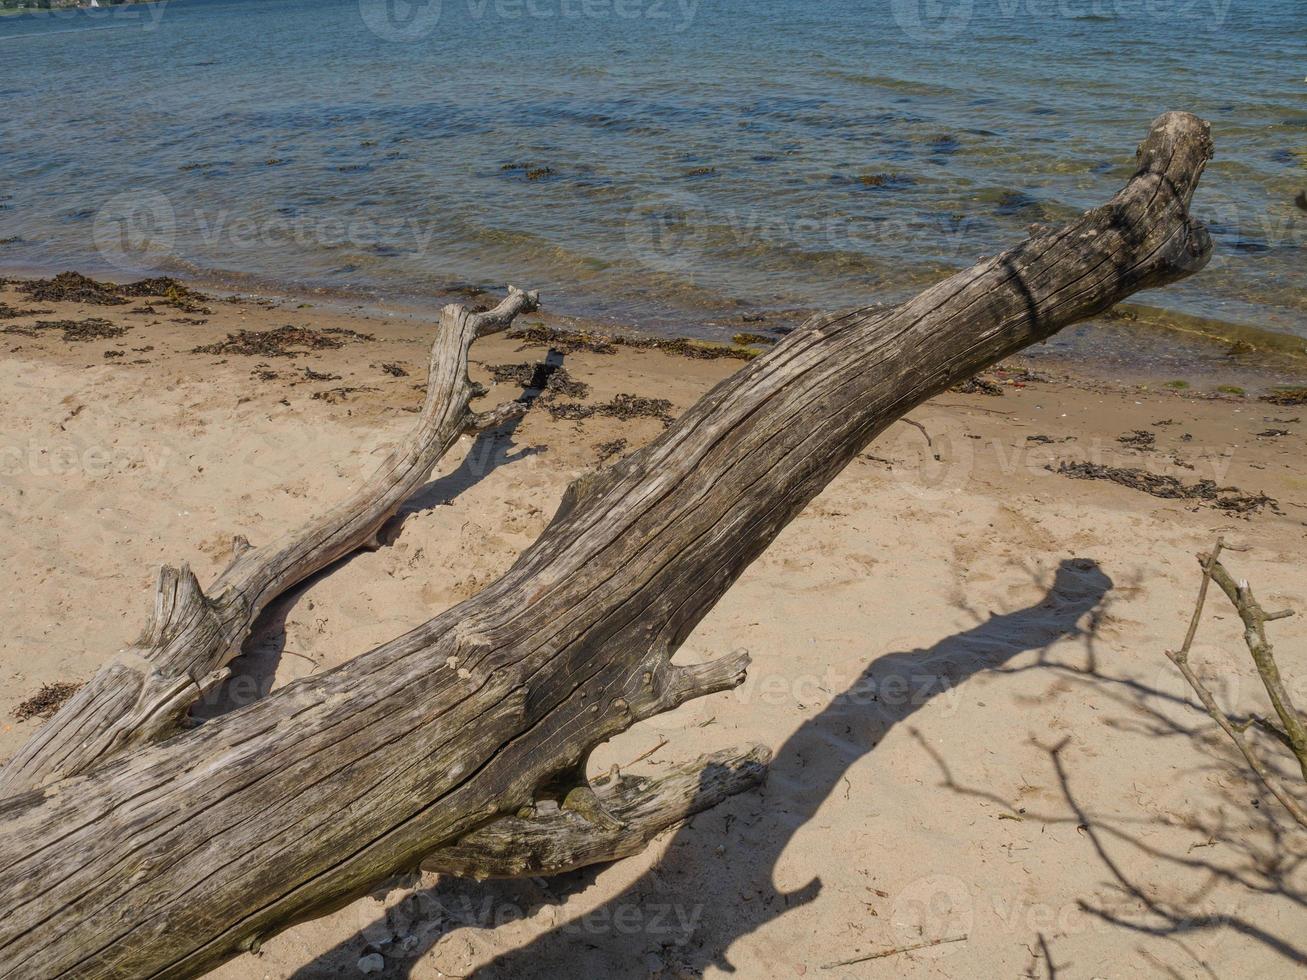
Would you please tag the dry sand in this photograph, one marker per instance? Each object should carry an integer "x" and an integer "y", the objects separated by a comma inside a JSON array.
[{"x": 957, "y": 662}]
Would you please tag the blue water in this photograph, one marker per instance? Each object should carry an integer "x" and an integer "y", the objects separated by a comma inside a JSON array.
[{"x": 662, "y": 161}]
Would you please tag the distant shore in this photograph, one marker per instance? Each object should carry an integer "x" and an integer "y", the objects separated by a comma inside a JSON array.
[{"x": 29, "y": 6}]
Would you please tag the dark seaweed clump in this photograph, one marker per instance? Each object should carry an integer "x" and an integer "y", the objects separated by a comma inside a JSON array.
[
  {"x": 570, "y": 341},
  {"x": 92, "y": 328},
  {"x": 977, "y": 386},
  {"x": 8, "y": 312},
  {"x": 334, "y": 396},
  {"x": 541, "y": 376},
  {"x": 348, "y": 334},
  {"x": 312, "y": 375},
  {"x": 280, "y": 342},
  {"x": 45, "y": 702},
  {"x": 1168, "y": 487},
  {"x": 567, "y": 341},
  {"x": 530, "y": 170},
  {"x": 73, "y": 287},
  {"x": 467, "y": 290},
  {"x": 885, "y": 180},
  {"x": 1287, "y": 396},
  {"x": 1138, "y": 439},
  {"x": 623, "y": 406},
  {"x": 605, "y": 450}
]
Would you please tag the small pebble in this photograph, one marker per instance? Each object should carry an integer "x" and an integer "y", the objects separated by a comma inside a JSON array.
[{"x": 372, "y": 963}]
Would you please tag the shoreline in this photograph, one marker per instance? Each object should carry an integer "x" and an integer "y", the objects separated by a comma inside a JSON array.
[
  {"x": 194, "y": 318},
  {"x": 1177, "y": 350}
]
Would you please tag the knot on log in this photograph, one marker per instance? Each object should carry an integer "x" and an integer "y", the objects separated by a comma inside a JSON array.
[
  {"x": 664, "y": 686},
  {"x": 635, "y": 809}
]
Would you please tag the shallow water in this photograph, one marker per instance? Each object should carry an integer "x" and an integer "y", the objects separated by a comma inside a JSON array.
[{"x": 666, "y": 162}]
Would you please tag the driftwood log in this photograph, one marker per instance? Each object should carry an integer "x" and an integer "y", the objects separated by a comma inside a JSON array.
[{"x": 173, "y": 855}]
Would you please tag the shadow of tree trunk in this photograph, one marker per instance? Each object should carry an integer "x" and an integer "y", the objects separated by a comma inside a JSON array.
[{"x": 666, "y": 919}]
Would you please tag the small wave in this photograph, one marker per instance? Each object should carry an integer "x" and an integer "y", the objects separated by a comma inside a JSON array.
[
  {"x": 1236, "y": 336},
  {"x": 890, "y": 83}
]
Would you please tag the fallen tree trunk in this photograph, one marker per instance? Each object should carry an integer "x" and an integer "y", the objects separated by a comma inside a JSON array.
[{"x": 170, "y": 858}]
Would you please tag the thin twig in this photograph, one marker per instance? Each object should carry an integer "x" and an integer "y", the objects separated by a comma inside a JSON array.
[
  {"x": 662, "y": 740},
  {"x": 1227, "y": 726},
  {"x": 1207, "y": 564},
  {"x": 893, "y": 952},
  {"x": 1254, "y": 619},
  {"x": 917, "y": 425}
]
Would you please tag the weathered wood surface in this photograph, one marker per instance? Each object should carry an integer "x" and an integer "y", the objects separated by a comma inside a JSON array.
[
  {"x": 168, "y": 859},
  {"x": 630, "y": 812},
  {"x": 143, "y": 693}
]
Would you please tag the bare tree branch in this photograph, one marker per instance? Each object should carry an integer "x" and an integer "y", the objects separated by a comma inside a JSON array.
[
  {"x": 1250, "y": 611},
  {"x": 142, "y": 694}
]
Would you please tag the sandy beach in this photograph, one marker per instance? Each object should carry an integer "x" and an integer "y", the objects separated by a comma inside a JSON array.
[{"x": 980, "y": 749}]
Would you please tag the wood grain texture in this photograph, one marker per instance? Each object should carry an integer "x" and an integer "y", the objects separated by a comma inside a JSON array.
[
  {"x": 142, "y": 694},
  {"x": 550, "y": 841},
  {"x": 171, "y": 858}
]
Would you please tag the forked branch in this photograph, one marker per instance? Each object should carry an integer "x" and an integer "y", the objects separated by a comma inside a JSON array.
[
  {"x": 142, "y": 694},
  {"x": 1254, "y": 618}
]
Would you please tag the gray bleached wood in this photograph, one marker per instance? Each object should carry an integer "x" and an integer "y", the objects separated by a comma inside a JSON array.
[{"x": 560, "y": 840}]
